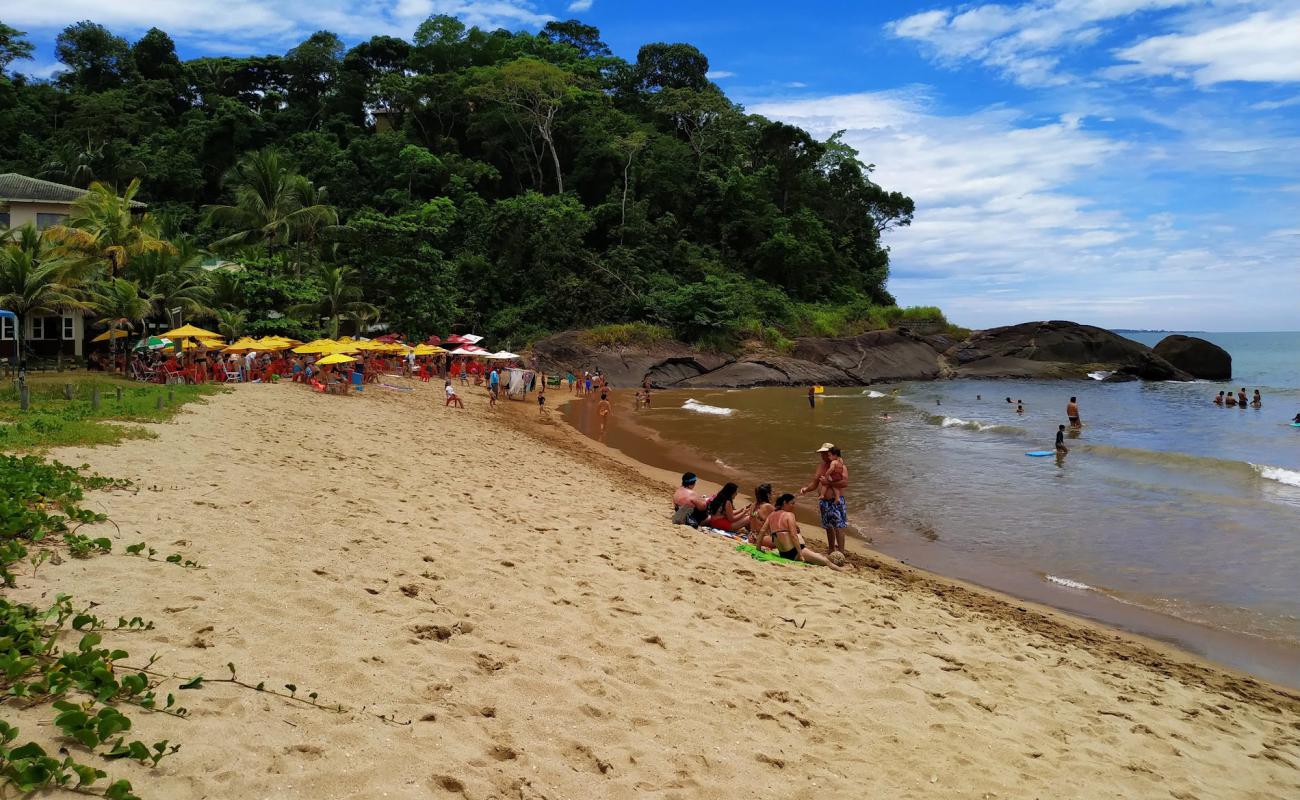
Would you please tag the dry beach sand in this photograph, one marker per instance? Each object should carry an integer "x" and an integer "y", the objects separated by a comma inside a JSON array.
[{"x": 524, "y": 603}]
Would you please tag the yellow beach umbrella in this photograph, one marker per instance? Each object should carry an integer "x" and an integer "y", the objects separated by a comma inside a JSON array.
[
  {"x": 341, "y": 347},
  {"x": 336, "y": 358},
  {"x": 272, "y": 343},
  {"x": 110, "y": 334},
  {"x": 428, "y": 350},
  {"x": 318, "y": 346},
  {"x": 240, "y": 346},
  {"x": 189, "y": 332},
  {"x": 371, "y": 345}
]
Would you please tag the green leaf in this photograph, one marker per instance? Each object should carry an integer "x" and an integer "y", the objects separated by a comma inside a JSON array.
[{"x": 193, "y": 683}]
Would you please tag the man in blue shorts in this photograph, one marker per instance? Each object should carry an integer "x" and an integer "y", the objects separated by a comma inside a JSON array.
[{"x": 829, "y": 482}]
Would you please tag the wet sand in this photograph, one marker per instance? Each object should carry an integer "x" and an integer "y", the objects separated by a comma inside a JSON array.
[
  {"x": 666, "y": 460},
  {"x": 516, "y": 605}
]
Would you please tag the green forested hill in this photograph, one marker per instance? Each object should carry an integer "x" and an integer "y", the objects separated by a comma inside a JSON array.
[{"x": 511, "y": 182}]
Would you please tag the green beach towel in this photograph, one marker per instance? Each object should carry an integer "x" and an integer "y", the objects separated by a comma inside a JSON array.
[{"x": 763, "y": 555}]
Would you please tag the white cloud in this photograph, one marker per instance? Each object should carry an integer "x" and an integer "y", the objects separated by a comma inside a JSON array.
[
  {"x": 719, "y": 74},
  {"x": 580, "y": 5},
  {"x": 271, "y": 20},
  {"x": 1264, "y": 46},
  {"x": 1023, "y": 41},
  {"x": 1007, "y": 229}
]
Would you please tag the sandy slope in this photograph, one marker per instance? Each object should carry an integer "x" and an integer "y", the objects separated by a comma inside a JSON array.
[{"x": 527, "y": 607}]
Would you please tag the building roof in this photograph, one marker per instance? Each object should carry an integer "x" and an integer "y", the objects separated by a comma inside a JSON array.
[{"x": 34, "y": 190}]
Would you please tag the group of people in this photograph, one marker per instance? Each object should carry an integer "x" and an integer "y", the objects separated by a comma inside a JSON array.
[
  {"x": 1239, "y": 400},
  {"x": 771, "y": 525}
]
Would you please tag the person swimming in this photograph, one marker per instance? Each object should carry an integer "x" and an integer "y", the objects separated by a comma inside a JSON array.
[{"x": 1020, "y": 409}]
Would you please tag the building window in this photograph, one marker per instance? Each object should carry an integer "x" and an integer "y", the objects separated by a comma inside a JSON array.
[
  {"x": 6, "y": 327},
  {"x": 44, "y": 221},
  {"x": 39, "y": 328},
  {"x": 68, "y": 327},
  {"x": 4, "y": 220}
]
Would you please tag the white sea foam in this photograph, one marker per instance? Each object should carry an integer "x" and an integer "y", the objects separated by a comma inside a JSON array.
[
  {"x": 872, "y": 393},
  {"x": 1287, "y": 476},
  {"x": 1066, "y": 582},
  {"x": 958, "y": 422},
  {"x": 1100, "y": 375},
  {"x": 700, "y": 408}
]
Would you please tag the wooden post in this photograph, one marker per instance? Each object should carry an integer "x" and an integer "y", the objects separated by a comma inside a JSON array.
[
  {"x": 67, "y": 391},
  {"x": 94, "y": 398},
  {"x": 24, "y": 397},
  {"x": 59, "y": 368},
  {"x": 171, "y": 395},
  {"x": 119, "y": 394},
  {"x": 160, "y": 402}
]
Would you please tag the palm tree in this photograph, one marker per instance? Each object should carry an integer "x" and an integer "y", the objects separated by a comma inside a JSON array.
[
  {"x": 273, "y": 204},
  {"x": 35, "y": 279},
  {"x": 226, "y": 289},
  {"x": 173, "y": 279},
  {"x": 339, "y": 298},
  {"x": 104, "y": 228},
  {"x": 364, "y": 318},
  {"x": 119, "y": 305},
  {"x": 231, "y": 323}
]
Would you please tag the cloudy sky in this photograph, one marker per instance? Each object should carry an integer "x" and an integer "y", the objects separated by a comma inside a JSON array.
[{"x": 1129, "y": 163}]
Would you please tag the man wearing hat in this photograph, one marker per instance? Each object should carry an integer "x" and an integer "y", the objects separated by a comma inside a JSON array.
[{"x": 830, "y": 481}]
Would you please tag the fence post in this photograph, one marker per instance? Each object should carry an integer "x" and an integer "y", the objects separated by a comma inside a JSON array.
[
  {"x": 160, "y": 402},
  {"x": 24, "y": 396},
  {"x": 67, "y": 391},
  {"x": 119, "y": 394},
  {"x": 171, "y": 395},
  {"x": 94, "y": 398}
]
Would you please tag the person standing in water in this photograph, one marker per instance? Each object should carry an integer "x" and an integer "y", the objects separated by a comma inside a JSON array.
[
  {"x": 1258, "y": 402},
  {"x": 1061, "y": 449},
  {"x": 603, "y": 409},
  {"x": 1072, "y": 411},
  {"x": 812, "y": 396},
  {"x": 1230, "y": 400},
  {"x": 1241, "y": 397},
  {"x": 1218, "y": 401}
]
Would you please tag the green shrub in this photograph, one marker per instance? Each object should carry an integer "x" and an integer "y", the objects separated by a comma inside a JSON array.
[{"x": 627, "y": 334}]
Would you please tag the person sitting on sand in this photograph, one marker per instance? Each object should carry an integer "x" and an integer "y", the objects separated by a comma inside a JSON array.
[
  {"x": 784, "y": 531},
  {"x": 1218, "y": 401},
  {"x": 1257, "y": 402},
  {"x": 453, "y": 399},
  {"x": 722, "y": 510},
  {"x": 1060, "y": 440},
  {"x": 759, "y": 511},
  {"x": 688, "y": 507}
]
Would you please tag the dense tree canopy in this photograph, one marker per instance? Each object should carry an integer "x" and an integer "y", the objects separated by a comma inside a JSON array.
[{"x": 518, "y": 183}]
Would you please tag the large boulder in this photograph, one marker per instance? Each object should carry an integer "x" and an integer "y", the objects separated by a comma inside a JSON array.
[
  {"x": 1197, "y": 357},
  {"x": 891, "y": 355},
  {"x": 664, "y": 364},
  {"x": 1057, "y": 349},
  {"x": 768, "y": 371}
]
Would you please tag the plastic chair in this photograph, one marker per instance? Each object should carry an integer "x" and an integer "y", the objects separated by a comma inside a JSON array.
[{"x": 357, "y": 379}]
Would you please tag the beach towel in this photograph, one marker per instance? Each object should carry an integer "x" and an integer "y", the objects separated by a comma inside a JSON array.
[{"x": 762, "y": 555}]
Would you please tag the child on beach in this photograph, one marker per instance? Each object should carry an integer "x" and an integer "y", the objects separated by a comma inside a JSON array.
[
  {"x": 452, "y": 398},
  {"x": 603, "y": 409}
]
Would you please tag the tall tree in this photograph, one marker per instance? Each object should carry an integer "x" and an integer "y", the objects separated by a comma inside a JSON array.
[
  {"x": 536, "y": 91},
  {"x": 118, "y": 306},
  {"x": 108, "y": 229},
  {"x": 273, "y": 204},
  {"x": 97, "y": 59},
  {"x": 35, "y": 279},
  {"x": 339, "y": 298},
  {"x": 13, "y": 47}
]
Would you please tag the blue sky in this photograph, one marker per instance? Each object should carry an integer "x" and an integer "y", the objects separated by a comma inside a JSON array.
[{"x": 1128, "y": 163}]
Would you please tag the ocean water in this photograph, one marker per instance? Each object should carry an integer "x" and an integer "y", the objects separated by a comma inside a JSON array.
[{"x": 1166, "y": 502}]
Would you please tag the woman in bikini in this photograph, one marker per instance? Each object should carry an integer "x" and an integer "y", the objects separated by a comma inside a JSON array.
[
  {"x": 789, "y": 544},
  {"x": 722, "y": 510},
  {"x": 759, "y": 511}
]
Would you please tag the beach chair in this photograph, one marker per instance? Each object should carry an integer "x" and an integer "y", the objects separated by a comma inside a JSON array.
[
  {"x": 231, "y": 375},
  {"x": 141, "y": 374},
  {"x": 357, "y": 381}
]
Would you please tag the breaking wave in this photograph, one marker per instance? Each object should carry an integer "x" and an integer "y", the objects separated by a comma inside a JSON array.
[
  {"x": 1067, "y": 582},
  {"x": 1288, "y": 476},
  {"x": 700, "y": 408}
]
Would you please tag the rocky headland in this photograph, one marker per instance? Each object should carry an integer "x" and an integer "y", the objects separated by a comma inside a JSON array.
[{"x": 1049, "y": 349}]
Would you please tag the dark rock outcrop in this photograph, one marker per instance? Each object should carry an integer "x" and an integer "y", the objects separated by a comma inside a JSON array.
[
  {"x": 893, "y": 355},
  {"x": 1030, "y": 350},
  {"x": 1057, "y": 349},
  {"x": 1197, "y": 357}
]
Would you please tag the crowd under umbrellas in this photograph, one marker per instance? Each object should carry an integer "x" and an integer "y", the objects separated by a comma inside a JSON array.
[{"x": 189, "y": 354}]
